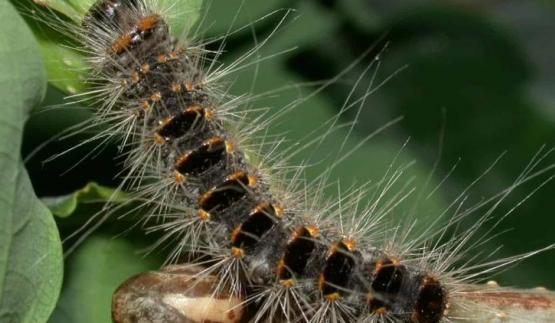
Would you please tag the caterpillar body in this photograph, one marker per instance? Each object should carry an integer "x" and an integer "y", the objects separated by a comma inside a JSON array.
[
  {"x": 287, "y": 257},
  {"x": 270, "y": 244}
]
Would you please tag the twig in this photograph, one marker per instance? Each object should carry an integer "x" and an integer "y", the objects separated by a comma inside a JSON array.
[{"x": 491, "y": 303}]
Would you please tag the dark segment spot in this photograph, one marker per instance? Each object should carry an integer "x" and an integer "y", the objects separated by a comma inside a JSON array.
[
  {"x": 337, "y": 270},
  {"x": 181, "y": 124},
  {"x": 197, "y": 161},
  {"x": 260, "y": 221},
  {"x": 222, "y": 196},
  {"x": 297, "y": 252},
  {"x": 431, "y": 301},
  {"x": 107, "y": 12},
  {"x": 386, "y": 283}
]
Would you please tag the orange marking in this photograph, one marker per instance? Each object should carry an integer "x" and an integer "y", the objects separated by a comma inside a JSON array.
[
  {"x": 229, "y": 147},
  {"x": 135, "y": 77},
  {"x": 235, "y": 233},
  {"x": 193, "y": 108},
  {"x": 209, "y": 114},
  {"x": 145, "y": 105},
  {"x": 121, "y": 43},
  {"x": 174, "y": 55},
  {"x": 429, "y": 280},
  {"x": 395, "y": 260},
  {"x": 259, "y": 208},
  {"x": 189, "y": 86},
  {"x": 203, "y": 215},
  {"x": 145, "y": 68},
  {"x": 378, "y": 267},
  {"x": 162, "y": 58},
  {"x": 333, "y": 297},
  {"x": 280, "y": 267},
  {"x": 156, "y": 97},
  {"x": 297, "y": 233},
  {"x": 147, "y": 23},
  {"x": 179, "y": 178},
  {"x": 176, "y": 87},
  {"x": 350, "y": 244},
  {"x": 183, "y": 158},
  {"x": 235, "y": 176},
  {"x": 287, "y": 283},
  {"x": 278, "y": 209},
  {"x": 165, "y": 122},
  {"x": 214, "y": 141},
  {"x": 381, "y": 311},
  {"x": 159, "y": 140},
  {"x": 253, "y": 181},
  {"x": 124, "y": 41},
  {"x": 237, "y": 252},
  {"x": 313, "y": 230},
  {"x": 204, "y": 197},
  {"x": 321, "y": 282}
]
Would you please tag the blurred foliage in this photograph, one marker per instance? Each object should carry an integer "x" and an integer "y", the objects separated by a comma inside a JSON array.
[
  {"x": 65, "y": 205},
  {"x": 463, "y": 76}
]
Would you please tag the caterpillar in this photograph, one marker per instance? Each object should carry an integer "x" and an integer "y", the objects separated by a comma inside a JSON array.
[{"x": 284, "y": 254}]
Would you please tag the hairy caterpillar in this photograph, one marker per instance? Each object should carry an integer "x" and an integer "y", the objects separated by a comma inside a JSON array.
[{"x": 348, "y": 276}]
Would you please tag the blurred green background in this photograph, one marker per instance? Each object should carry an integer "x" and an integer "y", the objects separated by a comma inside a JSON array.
[{"x": 472, "y": 80}]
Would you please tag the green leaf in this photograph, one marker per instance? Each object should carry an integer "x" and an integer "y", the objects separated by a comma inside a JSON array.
[
  {"x": 31, "y": 261},
  {"x": 30, "y": 247},
  {"x": 183, "y": 15},
  {"x": 66, "y": 68},
  {"x": 74, "y": 9},
  {"x": 65, "y": 205}
]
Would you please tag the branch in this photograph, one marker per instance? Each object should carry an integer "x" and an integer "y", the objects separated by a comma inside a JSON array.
[{"x": 491, "y": 303}]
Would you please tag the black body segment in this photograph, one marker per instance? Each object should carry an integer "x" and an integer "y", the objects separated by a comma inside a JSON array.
[
  {"x": 387, "y": 278},
  {"x": 430, "y": 302},
  {"x": 337, "y": 270},
  {"x": 203, "y": 157},
  {"x": 182, "y": 123},
  {"x": 260, "y": 221},
  {"x": 297, "y": 252},
  {"x": 232, "y": 189}
]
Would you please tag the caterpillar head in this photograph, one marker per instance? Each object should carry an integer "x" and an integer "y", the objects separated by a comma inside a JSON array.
[
  {"x": 118, "y": 33},
  {"x": 106, "y": 13}
]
